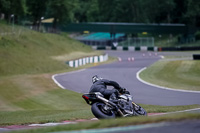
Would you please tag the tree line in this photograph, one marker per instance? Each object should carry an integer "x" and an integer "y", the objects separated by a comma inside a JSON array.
[{"x": 131, "y": 11}]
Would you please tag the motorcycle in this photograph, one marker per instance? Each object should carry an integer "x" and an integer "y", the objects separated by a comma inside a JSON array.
[{"x": 103, "y": 108}]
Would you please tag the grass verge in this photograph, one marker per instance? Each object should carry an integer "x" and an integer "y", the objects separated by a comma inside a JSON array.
[
  {"x": 179, "y": 74},
  {"x": 37, "y": 99},
  {"x": 114, "y": 123}
]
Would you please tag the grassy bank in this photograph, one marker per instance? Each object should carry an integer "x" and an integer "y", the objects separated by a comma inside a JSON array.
[
  {"x": 30, "y": 52},
  {"x": 180, "y": 74},
  {"x": 27, "y": 61}
]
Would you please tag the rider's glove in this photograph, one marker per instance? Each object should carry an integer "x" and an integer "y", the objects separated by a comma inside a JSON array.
[
  {"x": 127, "y": 92},
  {"x": 122, "y": 90}
]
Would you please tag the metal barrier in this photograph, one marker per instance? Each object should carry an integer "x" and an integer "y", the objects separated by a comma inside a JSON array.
[{"x": 137, "y": 42}]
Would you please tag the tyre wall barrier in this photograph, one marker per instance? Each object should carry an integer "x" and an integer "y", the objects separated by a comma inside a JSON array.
[
  {"x": 145, "y": 48},
  {"x": 196, "y": 56},
  {"x": 178, "y": 48},
  {"x": 126, "y": 48},
  {"x": 87, "y": 60}
]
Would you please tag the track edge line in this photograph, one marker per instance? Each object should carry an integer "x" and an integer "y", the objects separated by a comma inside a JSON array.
[{"x": 161, "y": 87}]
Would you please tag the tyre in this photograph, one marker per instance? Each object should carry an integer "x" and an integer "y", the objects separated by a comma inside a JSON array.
[
  {"x": 139, "y": 110},
  {"x": 99, "y": 111}
]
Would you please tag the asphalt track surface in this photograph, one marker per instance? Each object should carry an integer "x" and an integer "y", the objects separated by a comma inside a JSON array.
[{"x": 124, "y": 72}]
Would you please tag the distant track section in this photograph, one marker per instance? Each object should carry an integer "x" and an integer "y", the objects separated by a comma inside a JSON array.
[{"x": 124, "y": 72}]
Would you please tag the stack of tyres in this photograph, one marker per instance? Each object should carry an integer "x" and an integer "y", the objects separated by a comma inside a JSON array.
[{"x": 196, "y": 56}]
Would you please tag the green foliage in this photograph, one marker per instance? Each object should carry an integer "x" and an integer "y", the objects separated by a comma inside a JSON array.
[
  {"x": 197, "y": 35},
  {"x": 160, "y": 11},
  {"x": 4, "y": 6},
  {"x": 60, "y": 10},
  {"x": 134, "y": 11},
  {"x": 80, "y": 11},
  {"x": 16, "y": 7},
  {"x": 36, "y": 9},
  {"x": 192, "y": 15}
]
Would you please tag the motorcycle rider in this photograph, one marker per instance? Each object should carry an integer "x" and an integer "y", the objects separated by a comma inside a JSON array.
[{"x": 100, "y": 85}]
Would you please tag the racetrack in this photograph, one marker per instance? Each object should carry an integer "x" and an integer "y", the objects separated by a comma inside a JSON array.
[{"x": 124, "y": 72}]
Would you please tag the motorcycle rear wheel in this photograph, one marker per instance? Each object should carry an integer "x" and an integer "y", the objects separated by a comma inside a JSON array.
[{"x": 99, "y": 111}]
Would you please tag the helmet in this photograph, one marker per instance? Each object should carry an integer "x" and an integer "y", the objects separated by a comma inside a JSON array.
[{"x": 95, "y": 79}]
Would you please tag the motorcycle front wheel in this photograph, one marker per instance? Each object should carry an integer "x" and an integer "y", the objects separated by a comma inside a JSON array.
[
  {"x": 99, "y": 111},
  {"x": 139, "y": 110}
]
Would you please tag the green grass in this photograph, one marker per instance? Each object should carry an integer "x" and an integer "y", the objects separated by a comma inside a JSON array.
[
  {"x": 28, "y": 99},
  {"x": 28, "y": 59},
  {"x": 42, "y": 116},
  {"x": 39, "y": 100},
  {"x": 113, "y": 123},
  {"x": 182, "y": 74},
  {"x": 32, "y": 52},
  {"x": 165, "y": 109}
]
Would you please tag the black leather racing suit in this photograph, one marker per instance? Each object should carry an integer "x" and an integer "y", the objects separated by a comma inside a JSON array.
[{"x": 101, "y": 86}]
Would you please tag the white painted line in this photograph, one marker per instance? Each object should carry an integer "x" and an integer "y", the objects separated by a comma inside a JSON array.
[
  {"x": 184, "y": 111},
  {"x": 161, "y": 87},
  {"x": 72, "y": 72},
  {"x": 54, "y": 79},
  {"x": 52, "y": 124},
  {"x": 162, "y": 57},
  {"x": 94, "y": 119},
  {"x": 149, "y": 54},
  {"x": 176, "y": 112},
  {"x": 120, "y": 59}
]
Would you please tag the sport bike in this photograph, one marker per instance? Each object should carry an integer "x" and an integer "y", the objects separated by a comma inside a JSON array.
[{"x": 123, "y": 106}]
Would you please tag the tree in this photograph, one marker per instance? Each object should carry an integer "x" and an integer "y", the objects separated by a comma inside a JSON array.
[
  {"x": 36, "y": 10},
  {"x": 193, "y": 12},
  {"x": 60, "y": 10},
  {"x": 159, "y": 11},
  {"x": 4, "y": 6},
  {"x": 18, "y": 8},
  {"x": 93, "y": 11},
  {"x": 15, "y": 7},
  {"x": 133, "y": 11},
  {"x": 130, "y": 11},
  {"x": 81, "y": 9},
  {"x": 179, "y": 11}
]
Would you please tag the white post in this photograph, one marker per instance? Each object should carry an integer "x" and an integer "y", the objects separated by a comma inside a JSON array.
[{"x": 13, "y": 19}]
